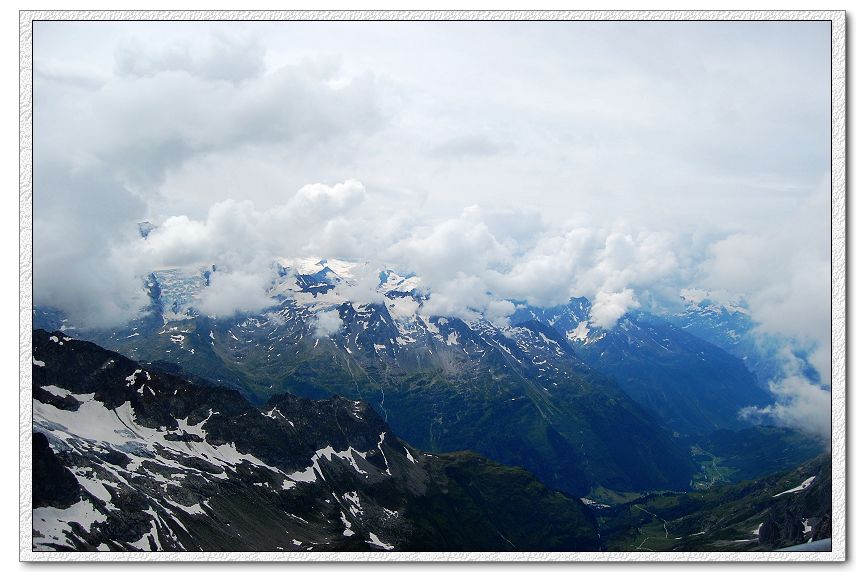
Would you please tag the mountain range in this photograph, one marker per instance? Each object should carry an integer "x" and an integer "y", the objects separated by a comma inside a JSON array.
[
  {"x": 608, "y": 413},
  {"x": 130, "y": 458}
]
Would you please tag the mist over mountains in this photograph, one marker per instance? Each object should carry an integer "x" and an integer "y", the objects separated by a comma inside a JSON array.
[
  {"x": 322, "y": 289},
  {"x": 361, "y": 165},
  {"x": 442, "y": 286},
  {"x": 562, "y": 384}
]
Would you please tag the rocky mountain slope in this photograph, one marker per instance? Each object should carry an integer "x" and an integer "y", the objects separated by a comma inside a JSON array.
[
  {"x": 518, "y": 394},
  {"x": 727, "y": 456},
  {"x": 690, "y": 384},
  {"x": 784, "y": 509},
  {"x": 730, "y": 327},
  {"x": 126, "y": 457}
]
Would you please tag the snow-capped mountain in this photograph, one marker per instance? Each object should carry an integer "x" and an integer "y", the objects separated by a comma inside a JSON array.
[
  {"x": 127, "y": 457},
  {"x": 518, "y": 394},
  {"x": 447, "y": 383},
  {"x": 691, "y": 384},
  {"x": 724, "y": 324},
  {"x": 729, "y": 326}
]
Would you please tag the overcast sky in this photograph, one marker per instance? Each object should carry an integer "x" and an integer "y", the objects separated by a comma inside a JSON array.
[
  {"x": 593, "y": 120},
  {"x": 500, "y": 161}
]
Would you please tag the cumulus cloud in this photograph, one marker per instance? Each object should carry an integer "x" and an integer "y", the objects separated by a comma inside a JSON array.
[
  {"x": 462, "y": 244},
  {"x": 78, "y": 266},
  {"x": 241, "y": 142},
  {"x": 326, "y": 323},
  {"x": 463, "y": 296},
  {"x": 498, "y": 311},
  {"x": 244, "y": 242},
  {"x": 470, "y": 263},
  {"x": 236, "y": 233},
  {"x": 107, "y": 139},
  {"x": 363, "y": 286},
  {"x": 784, "y": 273},
  {"x": 608, "y": 308},
  {"x": 234, "y": 292},
  {"x": 547, "y": 274},
  {"x": 800, "y": 403}
]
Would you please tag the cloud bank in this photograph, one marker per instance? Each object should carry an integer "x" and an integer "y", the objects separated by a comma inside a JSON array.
[
  {"x": 470, "y": 267},
  {"x": 641, "y": 159},
  {"x": 327, "y": 323},
  {"x": 800, "y": 403}
]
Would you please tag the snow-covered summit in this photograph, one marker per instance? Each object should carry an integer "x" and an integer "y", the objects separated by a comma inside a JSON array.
[
  {"x": 314, "y": 282},
  {"x": 702, "y": 300}
]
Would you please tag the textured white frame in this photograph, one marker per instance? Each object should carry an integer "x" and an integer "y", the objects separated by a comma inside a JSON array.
[{"x": 839, "y": 280}]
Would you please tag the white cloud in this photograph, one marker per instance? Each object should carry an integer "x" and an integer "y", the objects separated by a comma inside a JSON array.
[
  {"x": 498, "y": 311},
  {"x": 321, "y": 200},
  {"x": 462, "y": 296},
  {"x": 606, "y": 172},
  {"x": 800, "y": 404},
  {"x": 820, "y": 357},
  {"x": 108, "y": 138},
  {"x": 79, "y": 264},
  {"x": 607, "y": 308},
  {"x": 234, "y": 292},
  {"x": 218, "y": 56},
  {"x": 784, "y": 273},
  {"x": 327, "y": 323},
  {"x": 235, "y": 234},
  {"x": 165, "y": 103},
  {"x": 363, "y": 287}
]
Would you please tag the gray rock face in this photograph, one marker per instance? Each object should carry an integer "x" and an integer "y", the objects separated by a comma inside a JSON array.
[
  {"x": 129, "y": 458},
  {"x": 441, "y": 383},
  {"x": 692, "y": 385}
]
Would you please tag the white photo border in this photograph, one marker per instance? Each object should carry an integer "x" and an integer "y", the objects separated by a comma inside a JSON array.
[{"x": 839, "y": 282}]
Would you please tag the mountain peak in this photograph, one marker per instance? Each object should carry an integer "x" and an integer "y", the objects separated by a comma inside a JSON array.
[{"x": 145, "y": 227}]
